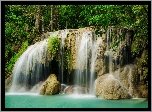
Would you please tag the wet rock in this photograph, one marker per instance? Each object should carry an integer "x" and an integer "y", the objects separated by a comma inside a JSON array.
[
  {"x": 51, "y": 86},
  {"x": 108, "y": 87},
  {"x": 69, "y": 90},
  {"x": 76, "y": 89},
  {"x": 8, "y": 82},
  {"x": 125, "y": 78},
  {"x": 63, "y": 86},
  {"x": 37, "y": 87},
  {"x": 141, "y": 91}
]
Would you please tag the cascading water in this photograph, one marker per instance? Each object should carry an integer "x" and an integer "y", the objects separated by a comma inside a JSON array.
[
  {"x": 31, "y": 68},
  {"x": 63, "y": 36},
  {"x": 87, "y": 48},
  {"x": 114, "y": 60},
  {"x": 84, "y": 49},
  {"x": 109, "y": 51},
  {"x": 95, "y": 47}
]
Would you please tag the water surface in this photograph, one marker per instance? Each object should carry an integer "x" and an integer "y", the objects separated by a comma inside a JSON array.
[{"x": 26, "y": 100}]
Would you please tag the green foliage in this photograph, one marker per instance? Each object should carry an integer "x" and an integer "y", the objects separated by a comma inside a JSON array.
[
  {"x": 137, "y": 48},
  {"x": 131, "y": 16},
  {"x": 53, "y": 47},
  {"x": 10, "y": 64},
  {"x": 15, "y": 34},
  {"x": 114, "y": 45},
  {"x": 67, "y": 61}
]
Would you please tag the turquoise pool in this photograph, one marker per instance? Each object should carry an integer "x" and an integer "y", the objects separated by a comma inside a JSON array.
[{"x": 26, "y": 100}]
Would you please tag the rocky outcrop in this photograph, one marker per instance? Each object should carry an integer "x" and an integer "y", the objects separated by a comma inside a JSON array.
[
  {"x": 123, "y": 83},
  {"x": 108, "y": 87},
  {"x": 8, "y": 81},
  {"x": 142, "y": 64},
  {"x": 51, "y": 86},
  {"x": 131, "y": 80}
]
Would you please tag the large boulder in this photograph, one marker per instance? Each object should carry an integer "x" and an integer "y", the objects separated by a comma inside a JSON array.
[
  {"x": 51, "y": 86},
  {"x": 129, "y": 77},
  {"x": 123, "y": 83},
  {"x": 108, "y": 87}
]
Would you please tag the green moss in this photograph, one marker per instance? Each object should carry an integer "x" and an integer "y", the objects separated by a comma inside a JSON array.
[
  {"x": 53, "y": 47},
  {"x": 67, "y": 60}
]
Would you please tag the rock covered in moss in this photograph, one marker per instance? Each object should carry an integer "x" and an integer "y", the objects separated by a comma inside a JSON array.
[{"x": 51, "y": 86}]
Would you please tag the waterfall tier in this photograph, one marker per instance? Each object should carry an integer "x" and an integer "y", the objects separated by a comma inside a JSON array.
[{"x": 83, "y": 57}]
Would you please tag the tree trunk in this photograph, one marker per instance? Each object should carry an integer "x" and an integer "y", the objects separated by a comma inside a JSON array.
[
  {"x": 42, "y": 24},
  {"x": 51, "y": 22},
  {"x": 37, "y": 16},
  {"x": 40, "y": 19}
]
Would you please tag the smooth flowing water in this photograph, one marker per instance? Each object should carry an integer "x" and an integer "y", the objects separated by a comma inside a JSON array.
[
  {"x": 84, "y": 49},
  {"x": 28, "y": 100},
  {"x": 63, "y": 36},
  {"x": 31, "y": 68},
  {"x": 95, "y": 47}
]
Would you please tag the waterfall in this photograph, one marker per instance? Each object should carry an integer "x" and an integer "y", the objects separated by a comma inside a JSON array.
[
  {"x": 84, "y": 49},
  {"x": 31, "y": 68},
  {"x": 34, "y": 67},
  {"x": 63, "y": 36},
  {"x": 95, "y": 47},
  {"x": 87, "y": 49}
]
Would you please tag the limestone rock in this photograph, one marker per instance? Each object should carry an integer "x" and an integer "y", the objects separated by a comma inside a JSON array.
[
  {"x": 108, "y": 87},
  {"x": 76, "y": 89},
  {"x": 8, "y": 81},
  {"x": 37, "y": 87},
  {"x": 123, "y": 83},
  {"x": 51, "y": 86},
  {"x": 69, "y": 90}
]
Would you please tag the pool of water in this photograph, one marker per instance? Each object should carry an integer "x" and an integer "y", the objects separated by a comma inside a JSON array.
[{"x": 26, "y": 100}]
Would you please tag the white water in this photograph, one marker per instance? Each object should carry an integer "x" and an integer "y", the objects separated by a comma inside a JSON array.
[
  {"x": 32, "y": 67},
  {"x": 77, "y": 96},
  {"x": 84, "y": 49},
  {"x": 87, "y": 47},
  {"x": 63, "y": 36},
  {"x": 28, "y": 68},
  {"x": 95, "y": 47}
]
